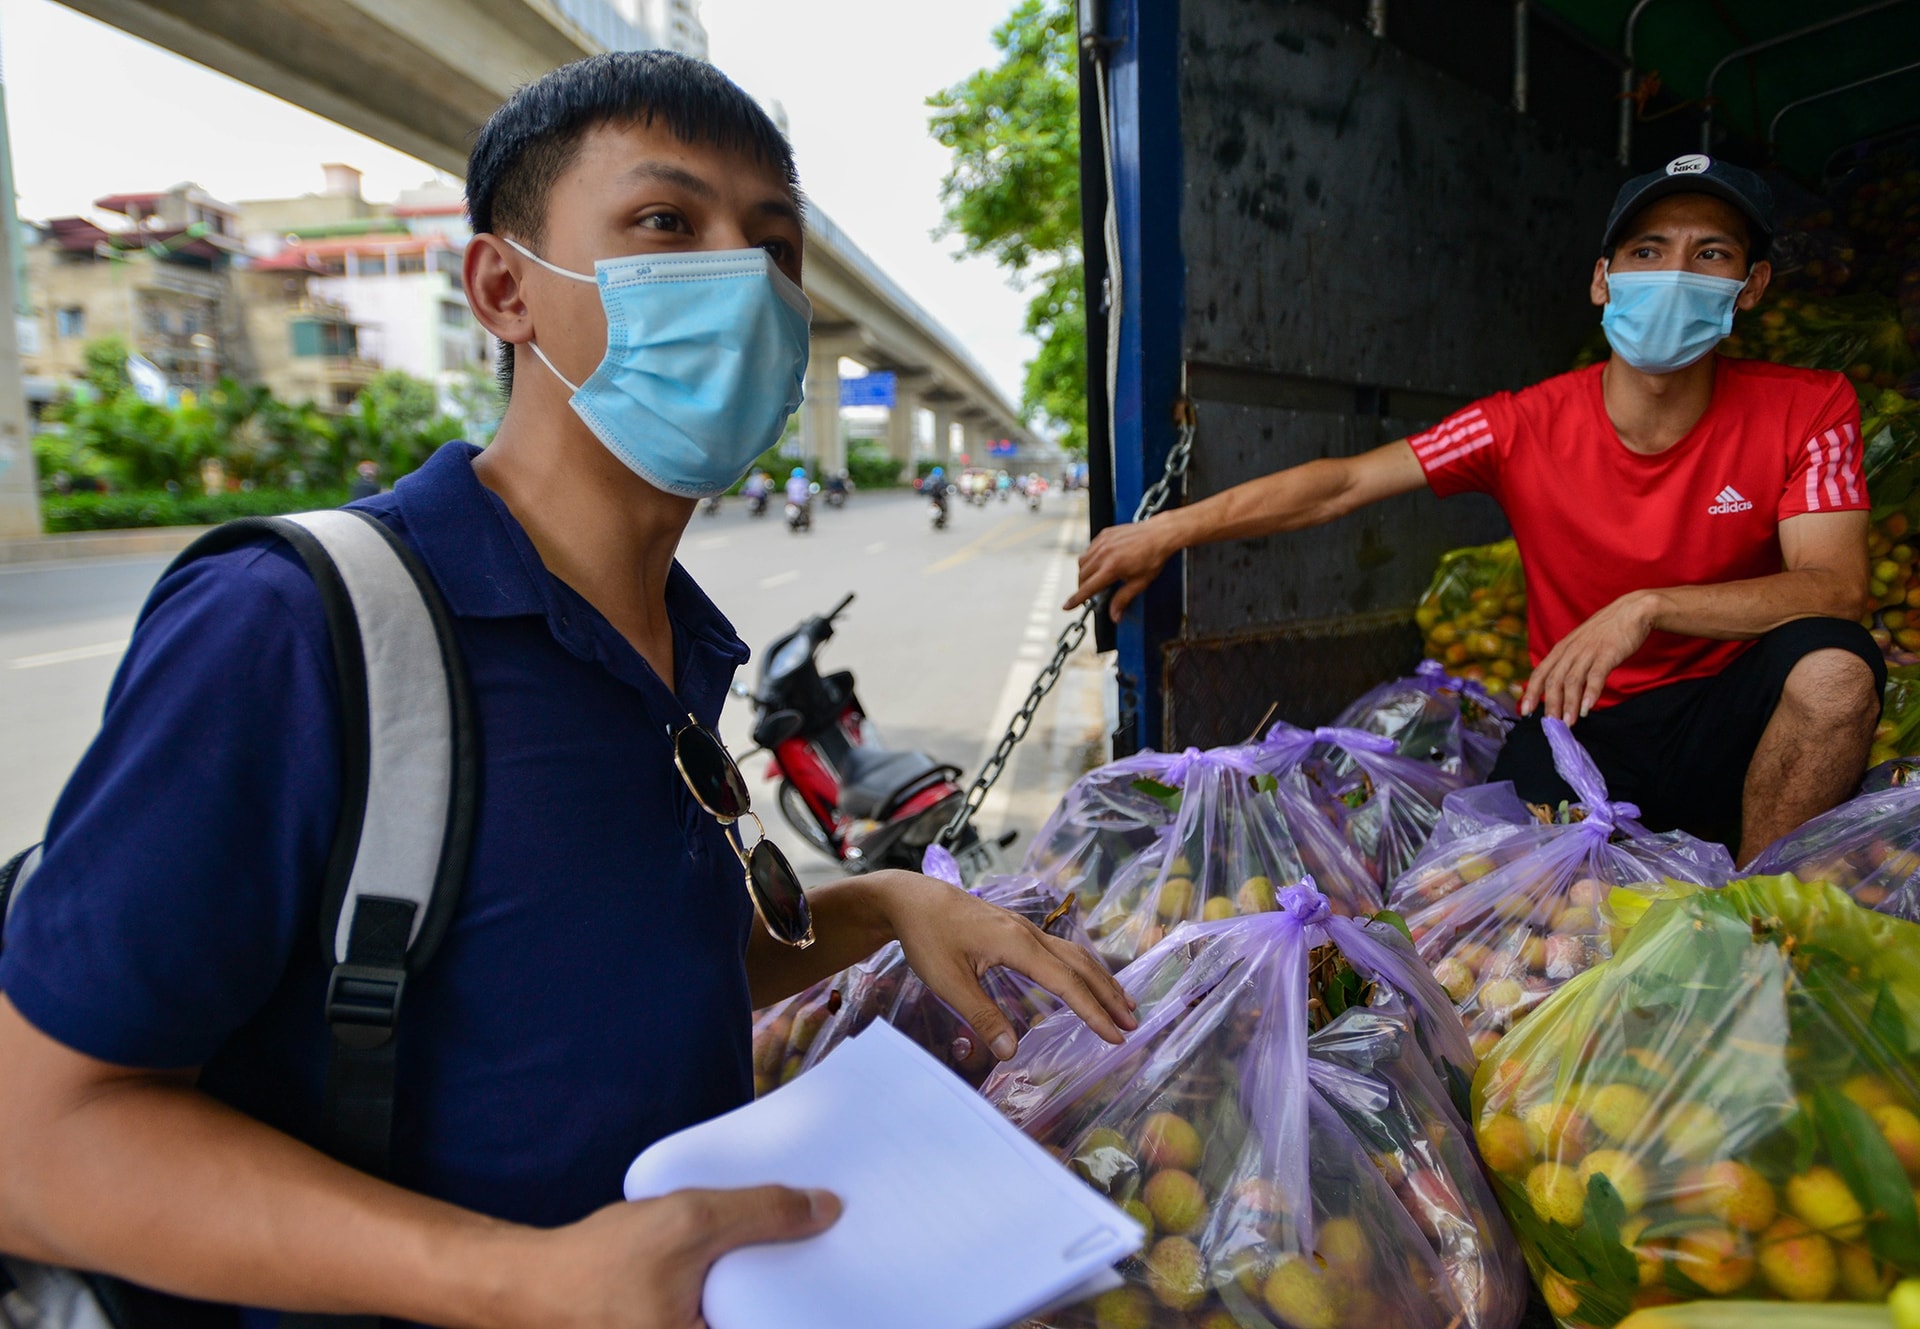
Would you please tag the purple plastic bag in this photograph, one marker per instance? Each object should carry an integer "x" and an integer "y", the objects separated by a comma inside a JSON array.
[
  {"x": 1275, "y": 1124},
  {"x": 884, "y": 987},
  {"x": 1507, "y": 911},
  {"x": 1869, "y": 847},
  {"x": 1451, "y": 723},
  {"x": 1218, "y": 838},
  {"x": 1385, "y": 805}
]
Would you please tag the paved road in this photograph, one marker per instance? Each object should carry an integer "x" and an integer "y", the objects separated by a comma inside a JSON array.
[{"x": 948, "y": 631}]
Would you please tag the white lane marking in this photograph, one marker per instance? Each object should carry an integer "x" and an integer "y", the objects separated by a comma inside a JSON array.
[
  {"x": 877, "y": 547},
  {"x": 992, "y": 816},
  {"x": 70, "y": 655},
  {"x": 779, "y": 579},
  {"x": 713, "y": 542}
]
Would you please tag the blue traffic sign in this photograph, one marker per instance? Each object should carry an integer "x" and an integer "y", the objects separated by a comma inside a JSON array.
[{"x": 874, "y": 389}]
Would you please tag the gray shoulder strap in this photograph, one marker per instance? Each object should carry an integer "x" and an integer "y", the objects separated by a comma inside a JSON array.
[{"x": 410, "y": 723}]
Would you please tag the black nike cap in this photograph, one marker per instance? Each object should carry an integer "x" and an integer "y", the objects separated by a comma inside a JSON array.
[{"x": 1697, "y": 173}]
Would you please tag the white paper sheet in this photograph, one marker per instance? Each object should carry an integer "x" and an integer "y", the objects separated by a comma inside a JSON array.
[{"x": 953, "y": 1219}]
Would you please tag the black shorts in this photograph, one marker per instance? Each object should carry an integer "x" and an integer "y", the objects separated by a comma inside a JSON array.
[{"x": 1681, "y": 752}]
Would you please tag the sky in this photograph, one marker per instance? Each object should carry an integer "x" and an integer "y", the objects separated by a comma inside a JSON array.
[{"x": 853, "y": 76}]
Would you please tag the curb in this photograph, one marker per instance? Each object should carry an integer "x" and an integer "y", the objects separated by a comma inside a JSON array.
[{"x": 73, "y": 546}]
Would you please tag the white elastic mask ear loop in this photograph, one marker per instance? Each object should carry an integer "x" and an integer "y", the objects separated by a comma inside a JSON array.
[{"x": 534, "y": 346}]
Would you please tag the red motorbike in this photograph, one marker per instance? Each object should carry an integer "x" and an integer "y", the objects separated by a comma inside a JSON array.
[{"x": 857, "y": 801}]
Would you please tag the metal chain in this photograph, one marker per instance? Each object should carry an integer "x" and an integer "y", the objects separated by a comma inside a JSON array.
[{"x": 1153, "y": 500}]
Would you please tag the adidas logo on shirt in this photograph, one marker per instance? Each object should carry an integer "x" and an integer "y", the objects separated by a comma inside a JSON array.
[{"x": 1729, "y": 500}]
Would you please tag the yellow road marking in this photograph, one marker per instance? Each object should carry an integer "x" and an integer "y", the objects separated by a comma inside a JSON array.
[{"x": 972, "y": 549}]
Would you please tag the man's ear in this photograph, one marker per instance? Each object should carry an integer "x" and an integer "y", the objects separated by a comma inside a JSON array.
[
  {"x": 1597, "y": 291},
  {"x": 1757, "y": 278},
  {"x": 491, "y": 273}
]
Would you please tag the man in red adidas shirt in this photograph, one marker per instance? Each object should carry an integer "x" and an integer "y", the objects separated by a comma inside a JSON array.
[{"x": 1693, "y": 530}]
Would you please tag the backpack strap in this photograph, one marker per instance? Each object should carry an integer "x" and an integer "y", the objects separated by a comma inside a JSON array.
[{"x": 409, "y": 789}]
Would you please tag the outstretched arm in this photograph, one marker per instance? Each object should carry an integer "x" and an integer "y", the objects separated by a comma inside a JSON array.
[
  {"x": 1128, "y": 557},
  {"x": 1823, "y": 555}
]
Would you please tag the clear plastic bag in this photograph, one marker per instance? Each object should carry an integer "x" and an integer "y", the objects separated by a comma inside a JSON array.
[
  {"x": 884, "y": 987},
  {"x": 1104, "y": 823},
  {"x": 1898, "y": 732},
  {"x": 1276, "y": 1127},
  {"x": 784, "y": 1032},
  {"x": 1869, "y": 847},
  {"x": 1225, "y": 832},
  {"x": 1474, "y": 617},
  {"x": 1454, "y": 723},
  {"x": 1507, "y": 914},
  {"x": 1385, "y": 805},
  {"x": 1728, "y": 1107}
]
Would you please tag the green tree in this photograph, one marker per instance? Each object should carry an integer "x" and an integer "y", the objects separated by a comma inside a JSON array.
[{"x": 1012, "y": 193}]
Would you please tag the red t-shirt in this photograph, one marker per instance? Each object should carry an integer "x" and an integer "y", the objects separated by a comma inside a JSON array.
[{"x": 1595, "y": 520}]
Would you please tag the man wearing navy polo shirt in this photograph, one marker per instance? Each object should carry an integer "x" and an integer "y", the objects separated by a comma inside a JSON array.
[{"x": 160, "y": 988}]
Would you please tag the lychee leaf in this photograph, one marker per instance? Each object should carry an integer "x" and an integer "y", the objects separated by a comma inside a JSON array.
[
  {"x": 1394, "y": 921},
  {"x": 1867, "y": 1163},
  {"x": 1266, "y": 784},
  {"x": 1599, "y": 1238},
  {"x": 1166, "y": 795}
]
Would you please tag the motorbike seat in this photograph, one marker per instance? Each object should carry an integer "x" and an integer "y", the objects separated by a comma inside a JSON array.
[{"x": 873, "y": 782}]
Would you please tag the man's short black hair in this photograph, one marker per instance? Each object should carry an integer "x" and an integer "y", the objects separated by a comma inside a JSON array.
[{"x": 528, "y": 143}]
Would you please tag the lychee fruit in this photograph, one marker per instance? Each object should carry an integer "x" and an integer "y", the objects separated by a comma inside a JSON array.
[
  {"x": 1483, "y": 1042},
  {"x": 1619, "y": 1110},
  {"x": 1176, "y": 1273},
  {"x": 1649, "y": 1257},
  {"x": 1137, "y": 1210},
  {"x": 1797, "y": 1263},
  {"x": 1177, "y": 1201},
  {"x": 1342, "y": 1243},
  {"x": 1175, "y": 899},
  {"x": 1737, "y": 1195},
  {"x": 1821, "y": 1200},
  {"x": 1561, "y": 1296},
  {"x": 1556, "y": 1130},
  {"x": 1869, "y": 1091},
  {"x": 1123, "y": 1308},
  {"x": 1168, "y": 1140},
  {"x": 1216, "y": 908},
  {"x": 1302, "y": 1296},
  {"x": 1255, "y": 896},
  {"x": 1619, "y": 1168},
  {"x": 1557, "y": 1194},
  {"x": 1863, "y": 1278},
  {"x": 1503, "y": 1144},
  {"x": 1693, "y": 1130},
  {"x": 1458, "y": 980},
  {"x": 1902, "y": 1129},
  {"x": 1903, "y": 1303},
  {"x": 1719, "y": 1259}
]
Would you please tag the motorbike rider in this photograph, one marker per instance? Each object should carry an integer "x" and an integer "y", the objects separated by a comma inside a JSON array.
[
  {"x": 799, "y": 488},
  {"x": 935, "y": 486},
  {"x": 756, "y": 485},
  {"x": 837, "y": 484}
]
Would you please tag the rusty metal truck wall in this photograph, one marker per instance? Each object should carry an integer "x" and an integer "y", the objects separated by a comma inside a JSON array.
[{"x": 1368, "y": 243}]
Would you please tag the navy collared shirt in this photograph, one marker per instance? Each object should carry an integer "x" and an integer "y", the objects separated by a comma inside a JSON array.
[{"x": 590, "y": 996}]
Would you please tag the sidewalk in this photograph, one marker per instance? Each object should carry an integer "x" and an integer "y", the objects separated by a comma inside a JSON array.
[{"x": 142, "y": 542}]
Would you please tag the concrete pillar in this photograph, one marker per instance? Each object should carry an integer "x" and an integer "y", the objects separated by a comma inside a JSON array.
[
  {"x": 19, "y": 487},
  {"x": 973, "y": 442},
  {"x": 900, "y": 424},
  {"x": 820, "y": 435},
  {"x": 943, "y": 435}
]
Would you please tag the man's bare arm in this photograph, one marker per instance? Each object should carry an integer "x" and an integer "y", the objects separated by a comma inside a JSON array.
[
  {"x": 1825, "y": 576},
  {"x": 141, "y": 1175},
  {"x": 1130, "y": 556}
]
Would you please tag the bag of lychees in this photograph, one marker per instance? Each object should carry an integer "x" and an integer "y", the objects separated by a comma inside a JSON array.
[
  {"x": 1233, "y": 831},
  {"x": 884, "y": 987},
  {"x": 1452, "y": 723},
  {"x": 1506, "y": 914},
  {"x": 1106, "y": 820},
  {"x": 1730, "y": 1107},
  {"x": 1869, "y": 847},
  {"x": 1384, "y": 805},
  {"x": 1275, "y": 1126}
]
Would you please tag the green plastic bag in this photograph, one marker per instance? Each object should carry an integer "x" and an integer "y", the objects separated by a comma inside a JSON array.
[
  {"x": 1474, "y": 617},
  {"x": 1729, "y": 1107}
]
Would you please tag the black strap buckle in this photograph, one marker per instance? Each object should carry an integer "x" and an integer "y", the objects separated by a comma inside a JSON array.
[{"x": 363, "y": 1002}]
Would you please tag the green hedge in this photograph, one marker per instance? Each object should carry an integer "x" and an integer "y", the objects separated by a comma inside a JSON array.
[
  {"x": 158, "y": 507},
  {"x": 872, "y": 468}
]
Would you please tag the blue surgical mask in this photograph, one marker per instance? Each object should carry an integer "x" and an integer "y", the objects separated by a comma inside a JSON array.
[
  {"x": 1659, "y": 322},
  {"x": 706, "y": 358}
]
